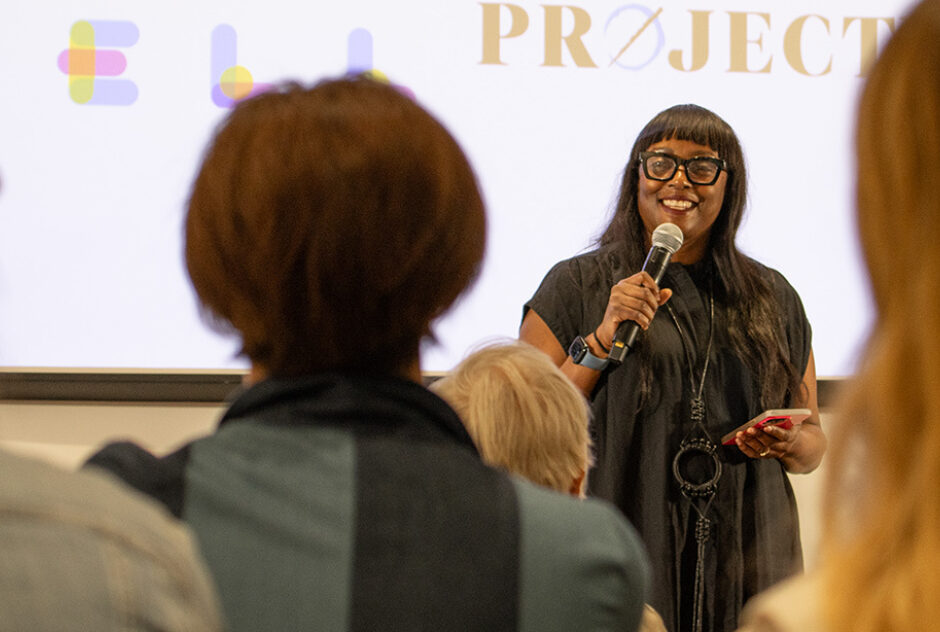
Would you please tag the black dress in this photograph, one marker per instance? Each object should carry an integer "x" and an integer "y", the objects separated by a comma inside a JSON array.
[{"x": 754, "y": 540}]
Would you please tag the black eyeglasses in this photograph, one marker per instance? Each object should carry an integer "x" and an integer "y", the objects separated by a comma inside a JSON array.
[{"x": 698, "y": 170}]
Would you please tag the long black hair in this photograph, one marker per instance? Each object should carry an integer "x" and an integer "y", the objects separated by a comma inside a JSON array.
[{"x": 754, "y": 323}]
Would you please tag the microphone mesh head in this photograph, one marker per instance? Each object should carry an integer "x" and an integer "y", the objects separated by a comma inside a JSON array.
[{"x": 668, "y": 236}]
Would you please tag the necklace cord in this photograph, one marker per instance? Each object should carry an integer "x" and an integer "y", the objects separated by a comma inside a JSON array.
[{"x": 698, "y": 493}]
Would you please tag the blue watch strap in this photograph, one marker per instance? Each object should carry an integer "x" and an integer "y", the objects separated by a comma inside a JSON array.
[
  {"x": 580, "y": 353},
  {"x": 591, "y": 361}
]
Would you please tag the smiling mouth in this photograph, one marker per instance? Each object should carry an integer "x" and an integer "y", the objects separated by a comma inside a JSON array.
[{"x": 677, "y": 205}]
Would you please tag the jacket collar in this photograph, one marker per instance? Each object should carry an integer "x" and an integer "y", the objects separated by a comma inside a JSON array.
[{"x": 359, "y": 401}]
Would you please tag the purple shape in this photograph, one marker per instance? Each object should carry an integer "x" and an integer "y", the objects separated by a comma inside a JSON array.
[
  {"x": 114, "y": 92},
  {"x": 115, "y": 33},
  {"x": 359, "y": 52},
  {"x": 222, "y": 54},
  {"x": 220, "y": 98}
]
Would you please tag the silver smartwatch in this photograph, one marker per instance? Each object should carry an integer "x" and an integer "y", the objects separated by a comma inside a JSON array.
[{"x": 581, "y": 354}]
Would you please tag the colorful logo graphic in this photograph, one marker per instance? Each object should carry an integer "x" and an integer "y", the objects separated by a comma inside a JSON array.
[
  {"x": 359, "y": 59},
  {"x": 230, "y": 82},
  {"x": 85, "y": 62}
]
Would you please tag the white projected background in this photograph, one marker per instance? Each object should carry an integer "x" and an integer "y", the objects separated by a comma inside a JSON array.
[{"x": 107, "y": 107}]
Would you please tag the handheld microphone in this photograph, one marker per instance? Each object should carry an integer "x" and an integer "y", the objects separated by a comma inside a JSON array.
[{"x": 667, "y": 239}]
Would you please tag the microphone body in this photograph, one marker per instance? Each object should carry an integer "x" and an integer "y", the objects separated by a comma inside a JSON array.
[{"x": 667, "y": 239}]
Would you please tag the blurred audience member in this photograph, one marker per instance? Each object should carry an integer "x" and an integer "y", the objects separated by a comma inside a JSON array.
[
  {"x": 881, "y": 544},
  {"x": 523, "y": 414},
  {"x": 80, "y": 552},
  {"x": 527, "y": 418},
  {"x": 329, "y": 227}
]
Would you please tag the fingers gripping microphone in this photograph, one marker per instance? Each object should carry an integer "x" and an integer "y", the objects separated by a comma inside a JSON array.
[{"x": 667, "y": 239}]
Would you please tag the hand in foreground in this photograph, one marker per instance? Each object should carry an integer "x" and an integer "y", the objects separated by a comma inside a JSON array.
[
  {"x": 767, "y": 442},
  {"x": 636, "y": 299}
]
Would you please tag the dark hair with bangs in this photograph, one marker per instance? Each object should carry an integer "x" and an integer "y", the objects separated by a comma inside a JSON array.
[
  {"x": 754, "y": 324},
  {"x": 330, "y": 225}
]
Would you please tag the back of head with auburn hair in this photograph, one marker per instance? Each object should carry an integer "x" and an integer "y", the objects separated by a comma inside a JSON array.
[
  {"x": 523, "y": 414},
  {"x": 329, "y": 226}
]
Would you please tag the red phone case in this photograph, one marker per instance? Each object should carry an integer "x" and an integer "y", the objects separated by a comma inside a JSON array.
[{"x": 784, "y": 417}]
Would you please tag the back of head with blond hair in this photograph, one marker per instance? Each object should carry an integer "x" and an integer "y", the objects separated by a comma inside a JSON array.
[
  {"x": 882, "y": 543},
  {"x": 523, "y": 414}
]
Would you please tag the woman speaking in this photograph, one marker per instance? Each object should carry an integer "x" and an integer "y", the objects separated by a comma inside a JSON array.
[{"x": 730, "y": 340}]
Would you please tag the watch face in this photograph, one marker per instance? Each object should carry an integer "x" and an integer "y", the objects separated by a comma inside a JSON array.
[{"x": 578, "y": 349}]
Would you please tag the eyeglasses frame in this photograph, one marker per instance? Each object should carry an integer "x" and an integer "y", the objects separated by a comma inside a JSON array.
[{"x": 680, "y": 162}]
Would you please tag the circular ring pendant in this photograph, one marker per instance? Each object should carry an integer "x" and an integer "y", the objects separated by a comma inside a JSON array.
[{"x": 687, "y": 450}]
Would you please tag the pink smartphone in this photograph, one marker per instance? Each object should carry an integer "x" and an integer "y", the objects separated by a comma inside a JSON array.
[{"x": 783, "y": 417}]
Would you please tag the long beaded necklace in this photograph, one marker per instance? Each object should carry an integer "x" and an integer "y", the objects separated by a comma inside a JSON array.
[{"x": 699, "y": 494}]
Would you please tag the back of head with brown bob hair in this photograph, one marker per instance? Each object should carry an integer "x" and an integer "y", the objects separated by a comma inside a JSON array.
[{"x": 330, "y": 225}]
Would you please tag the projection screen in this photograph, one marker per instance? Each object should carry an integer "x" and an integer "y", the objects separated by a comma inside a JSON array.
[{"x": 108, "y": 106}]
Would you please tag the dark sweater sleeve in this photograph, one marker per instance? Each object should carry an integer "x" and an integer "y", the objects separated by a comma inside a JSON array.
[{"x": 161, "y": 478}]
